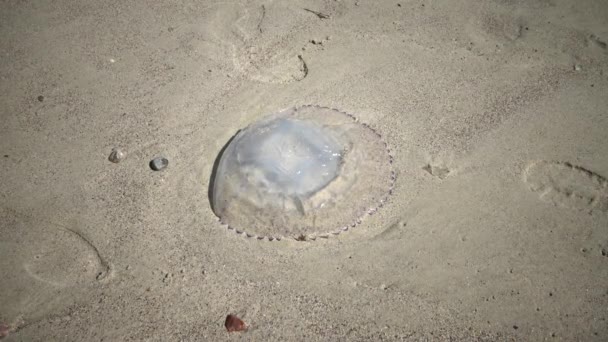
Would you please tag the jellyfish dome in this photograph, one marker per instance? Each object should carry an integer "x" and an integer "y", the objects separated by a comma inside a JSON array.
[{"x": 305, "y": 172}]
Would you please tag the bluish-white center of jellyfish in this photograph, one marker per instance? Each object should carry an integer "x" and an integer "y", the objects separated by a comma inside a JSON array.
[{"x": 289, "y": 158}]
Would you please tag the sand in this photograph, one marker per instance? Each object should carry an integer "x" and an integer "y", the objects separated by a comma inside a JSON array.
[{"x": 495, "y": 112}]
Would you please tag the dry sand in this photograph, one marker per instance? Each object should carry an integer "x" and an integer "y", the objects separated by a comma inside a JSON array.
[{"x": 496, "y": 112}]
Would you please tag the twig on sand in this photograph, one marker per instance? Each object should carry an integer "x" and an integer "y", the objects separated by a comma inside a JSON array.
[{"x": 318, "y": 14}]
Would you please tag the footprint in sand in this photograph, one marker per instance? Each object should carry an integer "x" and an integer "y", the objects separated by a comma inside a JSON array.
[
  {"x": 597, "y": 41},
  {"x": 568, "y": 185},
  {"x": 64, "y": 258},
  {"x": 39, "y": 260},
  {"x": 486, "y": 30},
  {"x": 260, "y": 41},
  {"x": 439, "y": 171}
]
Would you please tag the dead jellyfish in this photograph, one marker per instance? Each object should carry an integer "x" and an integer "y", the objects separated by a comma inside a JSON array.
[{"x": 304, "y": 173}]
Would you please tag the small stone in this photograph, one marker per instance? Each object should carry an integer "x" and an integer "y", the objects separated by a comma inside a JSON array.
[
  {"x": 40, "y": 98},
  {"x": 116, "y": 155},
  {"x": 159, "y": 163},
  {"x": 577, "y": 67},
  {"x": 234, "y": 323}
]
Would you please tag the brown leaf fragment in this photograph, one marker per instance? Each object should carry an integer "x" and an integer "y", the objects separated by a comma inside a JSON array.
[
  {"x": 4, "y": 330},
  {"x": 234, "y": 323}
]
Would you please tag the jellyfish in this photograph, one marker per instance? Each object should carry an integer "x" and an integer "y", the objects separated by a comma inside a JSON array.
[{"x": 302, "y": 173}]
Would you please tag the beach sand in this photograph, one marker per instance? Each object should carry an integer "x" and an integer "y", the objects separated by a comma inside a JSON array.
[{"x": 496, "y": 113}]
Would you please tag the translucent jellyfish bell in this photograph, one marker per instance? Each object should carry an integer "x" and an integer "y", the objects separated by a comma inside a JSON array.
[{"x": 302, "y": 173}]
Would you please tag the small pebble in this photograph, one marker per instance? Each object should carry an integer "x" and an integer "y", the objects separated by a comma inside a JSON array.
[
  {"x": 159, "y": 163},
  {"x": 577, "y": 67},
  {"x": 40, "y": 98},
  {"x": 116, "y": 155},
  {"x": 316, "y": 42}
]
